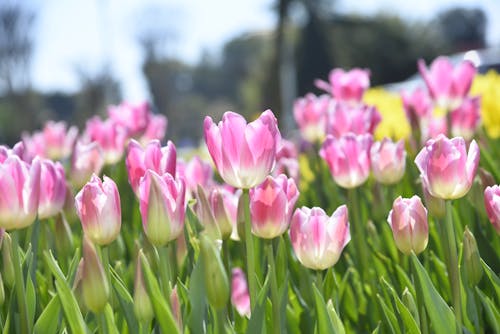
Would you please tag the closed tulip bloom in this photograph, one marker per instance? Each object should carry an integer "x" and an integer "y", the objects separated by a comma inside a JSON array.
[
  {"x": 244, "y": 154},
  {"x": 159, "y": 159},
  {"x": 388, "y": 160},
  {"x": 98, "y": 206},
  {"x": 239, "y": 292},
  {"x": 133, "y": 117},
  {"x": 19, "y": 195},
  {"x": 287, "y": 161},
  {"x": 52, "y": 189},
  {"x": 162, "y": 206},
  {"x": 347, "y": 86},
  {"x": 492, "y": 204},
  {"x": 447, "y": 84},
  {"x": 408, "y": 220},
  {"x": 87, "y": 159},
  {"x": 317, "y": 239},
  {"x": 446, "y": 168},
  {"x": 433, "y": 126},
  {"x": 358, "y": 119},
  {"x": 156, "y": 129},
  {"x": 224, "y": 204},
  {"x": 271, "y": 206},
  {"x": 34, "y": 145},
  {"x": 110, "y": 136},
  {"x": 311, "y": 113},
  {"x": 417, "y": 105},
  {"x": 59, "y": 140},
  {"x": 198, "y": 172},
  {"x": 94, "y": 283},
  {"x": 466, "y": 118},
  {"x": 348, "y": 158}
]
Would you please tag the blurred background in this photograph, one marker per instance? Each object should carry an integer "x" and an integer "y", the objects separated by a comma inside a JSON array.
[{"x": 68, "y": 60}]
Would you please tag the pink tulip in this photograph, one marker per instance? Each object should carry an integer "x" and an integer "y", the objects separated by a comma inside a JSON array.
[
  {"x": 433, "y": 126},
  {"x": 358, "y": 119},
  {"x": 446, "y": 168},
  {"x": 287, "y": 160},
  {"x": 348, "y": 158},
  {"x": 388, "y": 161},
  {"x": 311, "y": 113},
  {"x": 17, "y": 150},
  {"x": 240, "y": 297},
  {"x": 198, "y": 172},
  {"x": 52, "y": 189},
  {"x": 87, "y": 159},
  {"x": 244, "y": 154},
  {"x": 271, "y": 206},
  {"x": 447, "y": 85},
  {"x": 318, "y": 240},
  {"x": 346, "y": 86},
  {"x": 408, "y": 220},
  {"x": 156, "y": 129},
  {"x": 34, "y": 145},
  {"x": 466, "y": 118},
  {"x": 159, "y": 159},
  {"x": 98, "y": 206},
  {"x": 133, "y": 117},
  {"x": 110, "y": 136},
  {"x": 59, "y": 140},
  {"x": 492, "y": 205},
  {"x": 224, "y": 204},
  {"x": 19, "y": 195},
  {"x": 417, "y": 105},
  {"x": 162, "y": 206}
]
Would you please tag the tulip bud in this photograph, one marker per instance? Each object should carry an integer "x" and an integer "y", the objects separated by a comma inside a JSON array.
[
  {"x": 408, "y": 220},
  {"x": 311, "y": 114},
  {"x": 110, "y": 136},
  {"x": 492, "y": 205},
  {"x": 52, "y": 189},
  {"x": 225, "y": 205},
  {"x": 205, "y": 215},
  {"x": 388, "y": 161},
  {"x": 63, "y": 236},
  {"x": 143, "y": 308},
  {"x": 215, "y": 276},
  {"x": 471, "y": 259},
  {"x": 271, "y": 206},
  {"x": 98, "y": 206},
  {"x": 240, "y": 297},
  {"x": 95, "y": 285},
  {"x": 2, "y": 291},
  {"x": 8, "y": 265},
  {"x": 87, "y": 159},
  {"x": 347, "y": 86},
  {"x": 411, "y": 305},
  {"x": 447, "y": 170},
  {"x": 318, "y": 240},
  {"x": 176, "y": 306}
]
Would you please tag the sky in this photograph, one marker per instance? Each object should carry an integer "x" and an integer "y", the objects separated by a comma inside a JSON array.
[{"x": 83, "y": 36}]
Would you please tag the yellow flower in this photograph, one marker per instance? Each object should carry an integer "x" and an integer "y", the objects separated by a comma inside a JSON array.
[{"x": 488, "y": 87}]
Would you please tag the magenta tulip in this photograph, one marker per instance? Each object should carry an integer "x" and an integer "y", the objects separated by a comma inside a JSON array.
[
  {"x": 446, "y": 168},
  {"x": 466, "y": 118},
  {"x": 318, "y": 240},
  {"x": 417, "y": 105},
  {"x": 198, "y": 172},
  {"x": 59, "y": 140},
  {"x": 52, "y": 189},
  {"x": 87, "y": 159},
  {"x": 244, "y": 154},
  {"x": 492, "y": 205},
  {"x": 156, "y": 129},
  {"x": 271, "y": 206},
  {"x": 110, "y": 136},
  {"x": 239, "y": 292},
  {"x": 388, "y": 161},
  {"x": 133, "y": 117},
  {"x": 98, "y": 206},
  {"x": 348, "y": 158},
  {"x": 358, "y": 119},
  {"x": 311, "y": 113},
  {"x": 162, "y": 206},
  {"x": 408, "y": 220},
  {"x": 19, "y": 195},
  {"x": 346, "y": 86}
]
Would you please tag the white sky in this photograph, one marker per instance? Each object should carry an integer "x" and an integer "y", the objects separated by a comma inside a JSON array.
[{"x": 77, "y": 34}]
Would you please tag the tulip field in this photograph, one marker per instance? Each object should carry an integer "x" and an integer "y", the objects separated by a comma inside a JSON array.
[{"x": 379, "y": 214}]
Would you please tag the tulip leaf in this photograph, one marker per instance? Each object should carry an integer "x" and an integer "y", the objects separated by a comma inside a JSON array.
[
  {"x": 441, "y": 316},
  {"x": 492, "y": 314},
  {"x": 495, "y": 281},
  {"x": 110, "y": 320},
  {"x": 30, "y": 299},
  {"x": 68, "y": 301},
  {"x": 323, "y": 322},
  {"x": 390, "y": 317},
  {"x": 126, "y": 302},
  {"x": 334, "y": 317},
  {"x": 197, "y": 299},
  {"x": 410, "y": 325},
  {"x": 162, "y": 310},
  {"x": 48, "y": 321},
  {"x": 257, "y": 318}
]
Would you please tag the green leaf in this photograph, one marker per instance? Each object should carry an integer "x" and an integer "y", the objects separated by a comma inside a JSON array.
[
  {"x": 257, "y": 318},
  {"x": 334, "y": 317},
  {"x": 197, "y": 299},
  {"x": 126, "y": 302},
  {"x": 410, "y": 325},
  {"x": 491, "y": 311},
  {"x": 30, "y": 299},
  {"x": 68, "y": 301},
  {"x": 323, "y": 321},
  {"x": 162, "y": 310},
  {"x": 440, "y": 314},
  {"x": 495, "y": 281},
  {"x": 110, "y": 320},
  {"x": 48, "y": 321},
  {"x": 390, "y": 317}
]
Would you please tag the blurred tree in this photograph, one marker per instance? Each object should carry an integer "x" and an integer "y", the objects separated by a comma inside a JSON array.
[{"x": 463, "y": 28}]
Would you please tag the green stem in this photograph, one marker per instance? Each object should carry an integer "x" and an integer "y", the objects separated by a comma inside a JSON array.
[
  {"x": 319, "y": 280},
  {"x": 165, "y": 274},
  {"x": 274, "y": 287},
  {"x": 19, "y": 284},
  {"x": 220, "y": 321},
  {"x": 226, "y": 257},
  {"x": 451, "y": 256},
  {"x": 252, "y": 284},
  {"x": 103, "y": 328},
  {"x": 358, "y": 235},
  {"x": 34, "y": 248}
]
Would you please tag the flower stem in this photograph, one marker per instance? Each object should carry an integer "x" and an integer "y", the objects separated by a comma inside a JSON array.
[
  {"x": 19, "y": 285},
  {"x": 226, "y": 257},
  {"x": 165, "y": 275},
  {"x": 249, "y": 250},
  {"x": 359, "y": 239},
  {"x": 450, "y": 252},
  {"x": 274, "y": 287}
]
